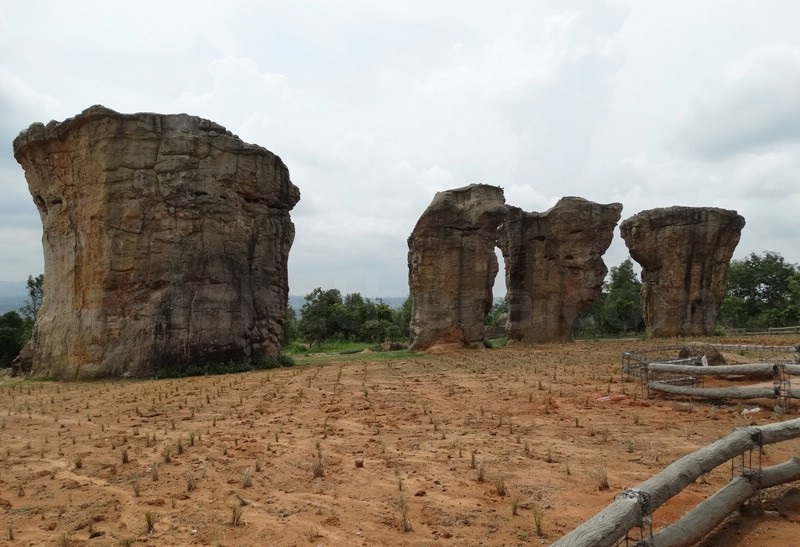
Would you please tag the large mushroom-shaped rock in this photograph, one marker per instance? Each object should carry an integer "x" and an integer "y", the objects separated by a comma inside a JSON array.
[
  {"x": 452, "y": 266},
  {"x": 554, "y": 266},
  {"x": 684, "y": 253},
  {"x": 166, "y": 241}
]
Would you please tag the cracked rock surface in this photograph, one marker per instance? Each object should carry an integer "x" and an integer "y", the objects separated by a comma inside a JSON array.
[
  {"x": 452, "y": 266},
  {"x": 554, "y": 266},
  {"x": 166, "y": 240},
  {"x": 684, "y": 253}
]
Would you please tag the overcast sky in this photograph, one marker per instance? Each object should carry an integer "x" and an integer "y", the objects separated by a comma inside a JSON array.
[{"x": 375, "y": 106}]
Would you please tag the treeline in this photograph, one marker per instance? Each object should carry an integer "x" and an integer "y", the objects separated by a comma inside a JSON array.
[
  {"x": 327, "y": 316},
  {"x": 763, "y": 291}
]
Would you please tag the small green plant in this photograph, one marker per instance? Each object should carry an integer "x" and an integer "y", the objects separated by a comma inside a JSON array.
[
  {"x": 166, "y": 454},
  {"x": 538, "y": 518},
  {"x": 192, "y": 436}
]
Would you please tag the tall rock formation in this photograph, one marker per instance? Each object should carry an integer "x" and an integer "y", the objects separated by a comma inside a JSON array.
[
  {"x": 554, "y": 266},
  {"x": 684, "y": 253},
  {"x": 166, "y": 241},
  {"x": 452, "y": 265}
]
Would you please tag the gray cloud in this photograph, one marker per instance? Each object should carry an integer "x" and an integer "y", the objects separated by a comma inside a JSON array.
[
  {"x": 756, "y": 109},
  {"x": 376, "y": 106}
]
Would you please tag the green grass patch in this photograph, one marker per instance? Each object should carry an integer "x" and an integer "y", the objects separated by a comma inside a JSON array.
[
  {"x": 312, "y": 358},
  {"x": 228, "y": 367}
]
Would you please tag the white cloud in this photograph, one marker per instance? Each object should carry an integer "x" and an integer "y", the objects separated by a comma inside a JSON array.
[
  {"x": 756, "y": 107},
  {"x": 375, "y": 106}
]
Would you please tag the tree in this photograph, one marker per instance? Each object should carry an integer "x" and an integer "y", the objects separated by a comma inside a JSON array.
[
  {"x": 290, "y": 325},
  {"x": 622, "y": 301},
  {"x": 35, "y": 286},
  {"x": 402, "y": 319},
  {"x": 763, "y": 291},
  {"x": 498, "y": 309},
  {"x": 13, "y": 335},
  {"x": 321, "y": 315}
]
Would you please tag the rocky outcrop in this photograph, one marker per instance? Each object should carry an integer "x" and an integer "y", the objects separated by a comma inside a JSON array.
[
  {"x": 684, "y": 253},
  {"x": 166, "y": 241},
  {"x": 452, "y": 266},
  {"x": 554, "y": 266}
]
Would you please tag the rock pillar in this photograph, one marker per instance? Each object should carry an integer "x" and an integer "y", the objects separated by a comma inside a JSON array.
[
  {"x": 684, "y": 253},
  {"x": 554, "y": 266},
  {"x": 166, "y": 241}
]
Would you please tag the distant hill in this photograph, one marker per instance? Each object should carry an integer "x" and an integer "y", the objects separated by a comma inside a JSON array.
[{"x": 12, "y": 295}]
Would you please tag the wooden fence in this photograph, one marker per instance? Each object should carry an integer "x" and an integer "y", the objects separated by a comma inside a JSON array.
[{"x": 633, "y": 508}]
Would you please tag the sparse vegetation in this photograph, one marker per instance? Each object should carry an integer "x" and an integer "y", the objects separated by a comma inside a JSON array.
[{"x": 150, "y": 521}]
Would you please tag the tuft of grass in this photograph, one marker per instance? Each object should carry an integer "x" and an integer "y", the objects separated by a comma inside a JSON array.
[
  {"x": 247, "y": 478},
  {"x": 236, "y": 514},
  {"x": 538, "y": 518},
  {"x": 166, "y": 454},
  {"x": 150, "y": 521},
  {"x": 190, "y": 481},
  {"x": 402, "y": 509},
  {"x": 599, "y": 476},
  {"x": 499, "y": 482},
  {"x": 516, "y": 498},
  {"x": 481, "y": 474},
  {"x": 318, "y": 466}
]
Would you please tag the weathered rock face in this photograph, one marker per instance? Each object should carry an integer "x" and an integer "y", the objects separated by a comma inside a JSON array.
[
  {"x": 554, "y": 266},
  {"x": 684, "y": 253},
  {"x": 452, "y": 266},
  {"x": 166, "y": 241}
]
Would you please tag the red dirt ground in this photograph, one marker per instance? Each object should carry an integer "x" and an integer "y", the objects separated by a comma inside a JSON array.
[{"x": 78, "y": 458}]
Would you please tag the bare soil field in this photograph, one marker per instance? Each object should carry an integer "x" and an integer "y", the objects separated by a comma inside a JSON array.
[{"x": 502, "y": 446}]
